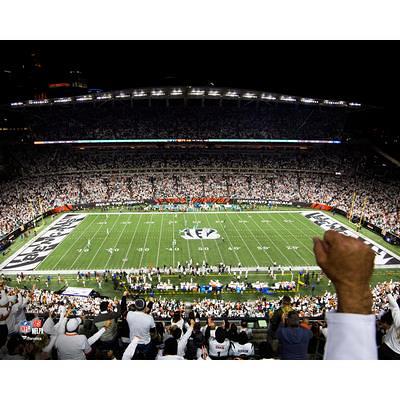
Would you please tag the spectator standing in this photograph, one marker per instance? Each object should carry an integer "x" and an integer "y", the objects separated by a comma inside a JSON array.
[{"x": 293, "y": 339}]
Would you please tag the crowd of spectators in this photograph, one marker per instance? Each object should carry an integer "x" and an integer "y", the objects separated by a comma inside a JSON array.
[
  {"x": 131, "y": 328},
  {"x": 52, "y": 178},
  {"x": 121, "y": 121}
]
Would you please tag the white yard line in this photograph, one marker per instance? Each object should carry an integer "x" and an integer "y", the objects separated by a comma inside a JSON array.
[
  {"x": 173, "y": 242},
  {"x": 116, "y": 245},
  {"x": 159, "y": 241},
  {"x": 145, "y": 242},
  {"x": 187, "y": 241},
  {"x": 132, "y": 238},
  {"x": 231, "y": 245},
  {"x": 259, "y": 243},
  {"x": 252, "y": 255},
  {"x": 296, "y": 239},
  {"x": 102, "y": 243},
  {"x": 273, "y": 243},
  {"x": 216, "y": 242}
]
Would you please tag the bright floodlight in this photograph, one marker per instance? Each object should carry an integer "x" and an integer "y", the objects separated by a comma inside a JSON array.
[
  {"x": 176, "y": 92},
  {"x": 250, "y": 96},
  {"x": 139, "y": 93},
  {"x": 157, "y": 93}
]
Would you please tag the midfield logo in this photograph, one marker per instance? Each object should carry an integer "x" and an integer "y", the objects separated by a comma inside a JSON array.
[{"x": 200, "y": 234}]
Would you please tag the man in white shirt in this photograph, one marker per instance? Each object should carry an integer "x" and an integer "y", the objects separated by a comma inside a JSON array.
[
  {"x": 142, "y": 325},
  {"x": 71, "y": 345},
  {"x": 349, "y": 264}
]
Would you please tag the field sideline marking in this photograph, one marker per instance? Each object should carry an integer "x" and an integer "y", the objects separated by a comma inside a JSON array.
[{"x": 191, "y": 212}]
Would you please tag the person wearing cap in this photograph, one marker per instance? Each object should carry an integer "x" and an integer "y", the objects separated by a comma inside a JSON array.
[
  {"x": 292, "y": 338},
  {"x": 141, "y": 325},
  {"x": 72, "y": 346}
]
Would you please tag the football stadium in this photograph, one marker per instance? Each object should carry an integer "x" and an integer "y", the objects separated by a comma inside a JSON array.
[{"x": 195, "y": 222}]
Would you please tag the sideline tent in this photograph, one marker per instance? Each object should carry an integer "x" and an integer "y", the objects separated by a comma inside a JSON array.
[{"x": 81, "y": 292}]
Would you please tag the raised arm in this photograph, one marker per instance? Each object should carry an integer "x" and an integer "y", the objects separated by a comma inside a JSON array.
[
  {"x": 349, "y": 264},
  {"x": 394, "y": 308}
]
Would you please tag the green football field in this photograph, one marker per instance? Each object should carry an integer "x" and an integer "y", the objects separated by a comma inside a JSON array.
[{"x": 134, "y": 240}]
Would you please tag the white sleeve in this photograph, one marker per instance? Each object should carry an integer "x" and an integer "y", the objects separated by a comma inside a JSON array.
[
  {"x": 394, "y": 308},
  {"x": 48, "y": 326},
  {"x": 94, "y": 338},
  {"x": 351, "y": 337},
  {"x": 130, "y": 350},
  {"x": 183, "y": 342}
]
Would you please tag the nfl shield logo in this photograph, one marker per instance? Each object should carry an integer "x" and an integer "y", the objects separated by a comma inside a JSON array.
[
  {"x": 25, "y": 327},
  {"x": 36, "y": 323}
]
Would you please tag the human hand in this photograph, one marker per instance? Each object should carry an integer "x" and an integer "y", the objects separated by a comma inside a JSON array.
[
  {"x": 349, "y": 264},
  {"x": 108, "y": 324}
]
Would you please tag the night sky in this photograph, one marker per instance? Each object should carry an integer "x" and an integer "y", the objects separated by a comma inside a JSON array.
[{"x": 334, "y": 70}]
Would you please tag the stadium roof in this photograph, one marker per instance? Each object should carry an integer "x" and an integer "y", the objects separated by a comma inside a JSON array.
[{"x": 193, "y": 92}]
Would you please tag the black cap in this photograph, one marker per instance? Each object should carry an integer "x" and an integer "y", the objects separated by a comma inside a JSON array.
[{"x": 140, "y": 304}]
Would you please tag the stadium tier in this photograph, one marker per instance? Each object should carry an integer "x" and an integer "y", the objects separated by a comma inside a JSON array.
[{"x": 193, "y": 248}]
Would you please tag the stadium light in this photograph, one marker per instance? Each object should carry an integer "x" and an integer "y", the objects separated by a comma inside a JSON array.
[
  {"x": 249, "y": 96},
  {"x": 354, "y": 104},
  {"x": 334, "y": 103},
  {"x": 38, "y": 101},
  {"x": 288, "y": 99},
  {"x": 104, "y": 97},
  {"x": 176, "y": 92},
  {"x": 309, "y": 101},
  {"x": 17, "y": 104},
  {"x": 85, "y": 98},
  {"x": 268, "y": 97},
  {"x": 231, "y": 94},
  {"x": 197, "y": 92},
  {"x": 122, "y": 96},
  {"x": 63, "y": 100},
  {"x": 157, "y": 93},
  {"x": 214, "y": 93},
  {"x": 139, "y": 93}
]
